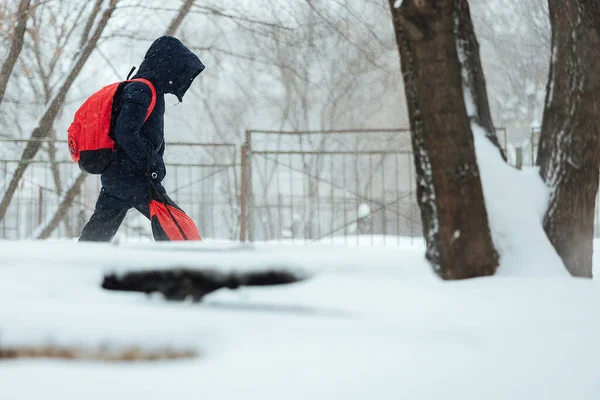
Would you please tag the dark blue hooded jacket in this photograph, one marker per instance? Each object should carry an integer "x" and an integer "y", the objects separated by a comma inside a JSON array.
[{"x": 171, "y": 67}]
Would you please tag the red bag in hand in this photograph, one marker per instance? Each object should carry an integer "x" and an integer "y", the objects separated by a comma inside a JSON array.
[{"x": 169, "y": 222}]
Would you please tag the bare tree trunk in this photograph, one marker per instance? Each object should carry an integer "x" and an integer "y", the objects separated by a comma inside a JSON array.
[
  {"x": 46, "y": 71},
  {"x": 15, "y": 47},
  {"x": 47, "y": 120},
  {"x": 176, "y": 22},
  {"x": 473, "y": 78},
  {"x": 56, "y": 174},
  {"x": 455, "y": 222},
  {"x": 569, "y": 151},
  {"x": 54, "y": 164}
]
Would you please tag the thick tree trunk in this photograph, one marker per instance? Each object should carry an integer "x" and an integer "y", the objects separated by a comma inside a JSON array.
[
  {"x": 478, "y": 107},
  {"x": 16, "y": 46},
  {"x": 569, "y": 150},
  {"x": 455, "y": 223},
  {"x": 47, "y": 119}
]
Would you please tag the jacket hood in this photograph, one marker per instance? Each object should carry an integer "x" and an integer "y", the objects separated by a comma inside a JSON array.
[{"x": 170, "y": 66}]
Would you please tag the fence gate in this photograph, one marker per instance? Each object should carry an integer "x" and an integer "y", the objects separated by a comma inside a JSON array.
[{"x": 342, "y": 186}]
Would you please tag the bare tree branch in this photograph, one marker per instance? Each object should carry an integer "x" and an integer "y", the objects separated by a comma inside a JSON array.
[
  {"x": 176, "y": 22},
  {"x": 90, "y": 22},
  {"x": 15, "y": 47},
  {"x": 213, "y": 11},
  {"x": 327, "y": 19}
]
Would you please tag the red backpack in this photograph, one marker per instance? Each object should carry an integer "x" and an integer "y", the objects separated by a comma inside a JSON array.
[{"x": 91, "y": 138}]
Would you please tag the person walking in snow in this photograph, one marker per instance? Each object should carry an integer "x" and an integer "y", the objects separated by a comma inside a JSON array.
[{"x": 138, "y": 163}]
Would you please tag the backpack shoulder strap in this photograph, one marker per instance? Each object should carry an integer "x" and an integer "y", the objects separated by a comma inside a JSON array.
[{"x": 152, "y": 89}]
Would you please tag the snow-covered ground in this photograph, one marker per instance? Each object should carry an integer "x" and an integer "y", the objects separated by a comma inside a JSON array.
[{"x": 370, "y": 322}]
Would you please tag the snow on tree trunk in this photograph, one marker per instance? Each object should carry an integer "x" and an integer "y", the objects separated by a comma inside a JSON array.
[
  {"x": 47, "y": 120},
  {"x": 476, "y": 99},
  {"x": 449, "y": 192},
  {"x": 569, "y": 150}
]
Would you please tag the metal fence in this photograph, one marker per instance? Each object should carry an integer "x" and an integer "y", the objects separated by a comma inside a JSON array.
[
  {"x": 201, "y": 178},
  {"x": 341, "y": 185},
  {"x": 534, "y": 141},
  {"x": 326, "y": 186}
]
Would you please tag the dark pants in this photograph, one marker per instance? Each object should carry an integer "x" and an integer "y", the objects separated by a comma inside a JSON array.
[{"x": 108, "y": 217}]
